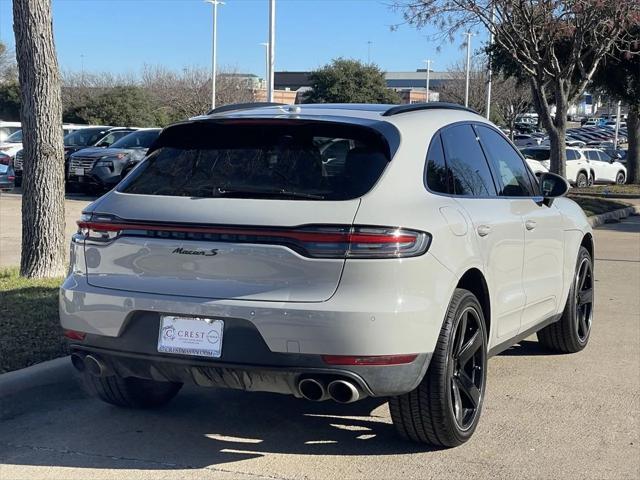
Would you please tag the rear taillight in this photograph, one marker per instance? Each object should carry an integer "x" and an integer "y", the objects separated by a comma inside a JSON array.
[
  {"x": 369, "y": 359},
  {"x": 315, "y": 241}
]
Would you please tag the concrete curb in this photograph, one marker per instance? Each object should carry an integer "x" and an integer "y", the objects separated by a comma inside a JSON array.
[
  {"x": 52, "y": 371},
  {"x": 597, "y": 220},
  {"x": 604, "y": 195}
]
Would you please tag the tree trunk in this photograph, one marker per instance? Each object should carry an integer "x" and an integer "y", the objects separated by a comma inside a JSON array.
[
  {"x": 43, "y": 249},
  {"x": 556, "y": 128},
  {"x": 633, "y": 155},
  {"x": 558, "y": 135}
]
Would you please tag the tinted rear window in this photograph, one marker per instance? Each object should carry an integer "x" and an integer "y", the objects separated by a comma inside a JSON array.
[
  {"x": 280, "y": 160},
  {"x": 139, "y": 139},
  {"x": 535, "y": 153}
]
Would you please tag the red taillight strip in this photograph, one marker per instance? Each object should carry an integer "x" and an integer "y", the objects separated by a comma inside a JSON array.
[
  {"x": 369, "y": 359},
  {"x": 302, "y": 236}
]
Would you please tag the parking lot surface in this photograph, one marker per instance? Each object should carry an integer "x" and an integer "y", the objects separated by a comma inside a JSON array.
[{"x": 546, "y": 416}]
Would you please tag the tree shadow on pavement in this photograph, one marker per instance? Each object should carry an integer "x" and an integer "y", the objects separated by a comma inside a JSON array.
[
  {"x": 202, "y": 427},
  {"x": 527, "y": 348}
]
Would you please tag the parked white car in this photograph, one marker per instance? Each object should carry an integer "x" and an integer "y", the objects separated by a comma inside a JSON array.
[
  {"x": 604, "y": 167},
  {"x": 231, "y": 257},
  {"x": 13, "y": 143},
  {"x": 578, "y": 171},
  {"x": 8, "y": 128}
]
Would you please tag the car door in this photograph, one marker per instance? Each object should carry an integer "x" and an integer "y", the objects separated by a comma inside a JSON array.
[
  {"x": 542, "y": 274},
  {"x": 609, "y": 169},
  {"x": 497, "y": 229}
]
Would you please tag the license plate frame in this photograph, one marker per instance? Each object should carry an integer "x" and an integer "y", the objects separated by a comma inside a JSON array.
[{"x": 191, "y": 336}]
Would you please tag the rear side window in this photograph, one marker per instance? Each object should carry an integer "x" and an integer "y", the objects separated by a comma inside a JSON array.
[
  {"x": 467, "y": 164},
  {"x": 280, "y": 160},
  {"x": 572, "y": 155},
  {"x": 437, "y": 175},
  {"x": 507, "y": 164},
  {"x": 539, "y": 154}
]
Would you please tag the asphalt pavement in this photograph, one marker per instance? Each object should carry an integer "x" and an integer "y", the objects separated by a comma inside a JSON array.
[{"x": 546, "y": 416}]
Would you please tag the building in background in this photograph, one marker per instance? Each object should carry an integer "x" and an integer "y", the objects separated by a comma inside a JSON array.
[{"x": 411, "y": 86}]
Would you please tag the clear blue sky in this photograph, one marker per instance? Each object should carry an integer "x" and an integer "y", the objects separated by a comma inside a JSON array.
[{"x": 120, "y": 36}]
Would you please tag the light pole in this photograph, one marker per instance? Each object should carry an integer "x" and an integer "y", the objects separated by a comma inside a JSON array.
[
  {"x": 466, "y": 89},
  {"x": 369, "y": 43},
  {"x": 214, "y": 52},
  {"x": 428, "y": 62},
  {"x": 489, "y": 70},
  {"x": 271, "y": 55},
  {"x": 615, "y": 141}
]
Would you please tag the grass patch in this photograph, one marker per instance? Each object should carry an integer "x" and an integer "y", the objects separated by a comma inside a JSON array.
[
  {"x": 630, "y": 189},
  {"x": 597, "y": 205},
  {"x": 30, "y": 331}
]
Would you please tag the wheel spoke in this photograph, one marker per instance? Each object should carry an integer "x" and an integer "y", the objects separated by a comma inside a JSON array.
[
  {"x": 583, "y": 325},
  {"x": 470, "y": 348},
  {"x": 468, "y": 388},
  {"x": 462, "y": 328},
  {"x": 457, "y": 401},
  {"x": 582, "y": 275},
  {"x": 585, "y": 296}
]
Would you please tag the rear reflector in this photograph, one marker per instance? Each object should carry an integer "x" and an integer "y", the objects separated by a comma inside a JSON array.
[
  {"x": 316, "y": 241},
  {"x": 74, "y": 335},
  {"x": 369, "y": 359}
]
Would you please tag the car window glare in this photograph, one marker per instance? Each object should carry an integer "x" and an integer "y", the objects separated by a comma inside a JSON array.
[
  {"x": 470, "y": 174},
  {"x": 510, "y": 168}
]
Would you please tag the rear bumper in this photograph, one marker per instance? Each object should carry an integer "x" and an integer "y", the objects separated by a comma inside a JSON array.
[
  {"x": 246, "y": 362},
  {"x": 380, "y": 308}
]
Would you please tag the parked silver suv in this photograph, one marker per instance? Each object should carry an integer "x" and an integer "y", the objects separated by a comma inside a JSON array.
[{"x": 328, "y": 252}]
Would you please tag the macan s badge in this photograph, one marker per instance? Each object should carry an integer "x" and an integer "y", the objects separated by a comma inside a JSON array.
[{"x": 203, "y": 253}]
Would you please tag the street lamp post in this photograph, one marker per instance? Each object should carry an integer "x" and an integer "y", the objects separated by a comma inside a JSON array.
[
  {"x": 214, "y": 52},
  {"x": 490, "y": 70},
  {"x": 272, "y": 35},
  {"x": 428, "y": 62},
  {"x": 466, "y": 89}
]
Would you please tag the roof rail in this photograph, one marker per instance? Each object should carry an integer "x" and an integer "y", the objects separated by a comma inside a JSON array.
[
  {"x": 243, "y": 106},
  {"x": 413, "y": 107}
]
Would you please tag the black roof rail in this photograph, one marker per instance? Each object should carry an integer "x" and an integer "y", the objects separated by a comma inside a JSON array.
[
  {"x": 413, "y": 107},
  {"x": 243, "y": 106}
]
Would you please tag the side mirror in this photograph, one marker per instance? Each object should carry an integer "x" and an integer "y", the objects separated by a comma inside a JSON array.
[{"x": 552, "y": 186}]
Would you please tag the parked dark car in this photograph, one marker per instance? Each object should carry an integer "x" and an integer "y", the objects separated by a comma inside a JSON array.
[
  {"x": 99, "y": 168},
  {"x": 7, "y": 176},
  {"x": 101, "y": 136}
]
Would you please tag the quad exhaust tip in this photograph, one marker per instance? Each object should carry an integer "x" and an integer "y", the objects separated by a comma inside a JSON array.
[
  {"x": 312, "y": 389},
  {"x": 91, "y": 364},
  {"x": 343, "y": 391}
]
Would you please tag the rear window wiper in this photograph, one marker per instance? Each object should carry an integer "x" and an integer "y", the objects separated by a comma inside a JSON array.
[{"x": 277, "y": 192}]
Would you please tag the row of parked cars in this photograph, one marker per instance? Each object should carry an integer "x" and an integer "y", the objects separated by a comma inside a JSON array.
[{"x": 96, "y": 157}]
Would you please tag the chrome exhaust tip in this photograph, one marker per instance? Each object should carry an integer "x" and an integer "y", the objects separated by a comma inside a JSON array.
[
  {"x": 343, "y": 391},
  {"x": 77, "y": 361},
  {"x": 96, "y": 367},
  {"x": 312, "y": 389}
]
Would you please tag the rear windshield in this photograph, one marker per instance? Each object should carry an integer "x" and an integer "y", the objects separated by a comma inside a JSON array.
[
  {"x": 84, "y": 137},
  {"x": 306, "y": 161},
  {"x": 139, "y": 139},
  {"x": 536, "y": 154}
]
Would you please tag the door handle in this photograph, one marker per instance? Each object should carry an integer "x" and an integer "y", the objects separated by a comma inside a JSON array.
[
  {"x": 483, "y": 230},
  {"x": 530, "y": 224}
]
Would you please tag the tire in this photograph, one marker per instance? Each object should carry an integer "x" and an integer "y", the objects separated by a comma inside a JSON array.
[
  {"x": 581, "y": 180},
  {"x": 571, "y": 333},
  {"x": 429, "y": 413},
  {"x": 620, "y": 178},
  {"x": 131, "y": 392}
]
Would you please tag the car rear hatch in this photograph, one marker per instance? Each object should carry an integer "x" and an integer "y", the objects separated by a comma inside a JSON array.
[{"x": 237, "y": 210}]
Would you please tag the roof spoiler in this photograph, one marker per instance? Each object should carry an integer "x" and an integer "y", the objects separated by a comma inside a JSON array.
[
  {"x": 243, "y": 106},
  {"x": 414, "y": 107}
]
